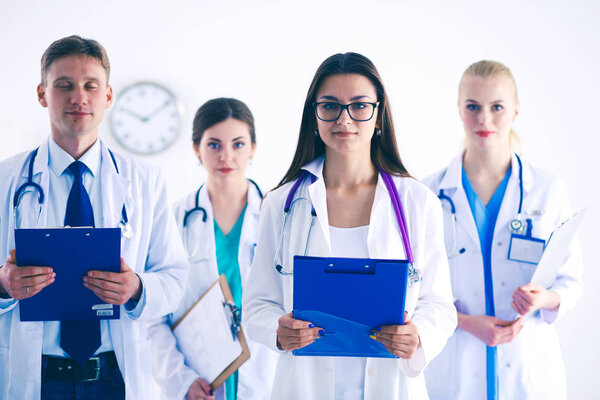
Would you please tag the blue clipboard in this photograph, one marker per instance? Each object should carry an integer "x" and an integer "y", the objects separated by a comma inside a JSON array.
[
  {"x": 347, "y": 298},
  {"x": 71, "y": 252}
]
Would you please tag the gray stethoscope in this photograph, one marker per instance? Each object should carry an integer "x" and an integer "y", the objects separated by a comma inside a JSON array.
[
  {"x": 414, "y": 274},
  {"x": 124, "y": 224},
  {"x": 516, "y": 225}
]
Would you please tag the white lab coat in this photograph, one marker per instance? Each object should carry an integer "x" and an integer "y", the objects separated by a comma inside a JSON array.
[
  {"x": 530, "y": 366},
  {"x": 255, "y": 375},
  {"x": 154, "y": 252},
  {"x": 429, "y": 304}
]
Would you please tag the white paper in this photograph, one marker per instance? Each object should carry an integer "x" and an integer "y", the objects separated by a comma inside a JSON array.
[
  {"x": 204, "y": 336},
  {"x": 555, "y": 251}
]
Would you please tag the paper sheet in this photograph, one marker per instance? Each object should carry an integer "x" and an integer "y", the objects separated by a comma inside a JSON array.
[
  {"x": 555, "y": 251},
  {"x": 204, "y": 336}
]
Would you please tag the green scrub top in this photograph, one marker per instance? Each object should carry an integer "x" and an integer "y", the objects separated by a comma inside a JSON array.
[{"x": 227, "y": 249}]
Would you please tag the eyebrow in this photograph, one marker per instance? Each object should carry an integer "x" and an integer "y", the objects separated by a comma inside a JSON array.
[
  {"x": 67, "y": 78},
  {"x": 219, "y": 140},
  {"x": 475, "y": 101},
  {"x": 327, "y": 97}
]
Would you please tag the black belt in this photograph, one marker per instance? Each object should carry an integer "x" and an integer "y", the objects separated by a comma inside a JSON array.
[{"x": 67, "y": 369}]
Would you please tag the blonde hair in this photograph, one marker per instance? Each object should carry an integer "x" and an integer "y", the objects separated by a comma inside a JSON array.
[{"x": 486, "y": 69}]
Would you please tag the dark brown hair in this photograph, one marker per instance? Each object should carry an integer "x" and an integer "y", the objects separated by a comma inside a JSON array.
[
  {"x": 384, "y": 150},
  {"x": 218, "y": 110},
  {"x": 72, "y": 46}
]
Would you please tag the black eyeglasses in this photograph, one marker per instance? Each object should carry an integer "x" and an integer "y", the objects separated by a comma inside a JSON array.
[{"x": 360, "y": 111}]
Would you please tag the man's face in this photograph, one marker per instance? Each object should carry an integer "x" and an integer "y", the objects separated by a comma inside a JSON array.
[{"x": 76, "y": 94}]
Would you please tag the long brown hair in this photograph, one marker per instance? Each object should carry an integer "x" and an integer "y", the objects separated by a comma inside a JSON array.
[{"x": 384, "y": 150}]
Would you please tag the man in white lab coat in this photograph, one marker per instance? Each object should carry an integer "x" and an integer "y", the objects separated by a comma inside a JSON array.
[{"x": 39, "y": 359}]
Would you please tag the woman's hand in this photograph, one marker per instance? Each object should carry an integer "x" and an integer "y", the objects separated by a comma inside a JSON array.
[
  {"x": 294, "y": 334},
  {"x": 400, "y": 340},
  {"x": 199, "y": 390},
  {"x": 531, "y": 297},
  {"x": 490, "y": 330}
]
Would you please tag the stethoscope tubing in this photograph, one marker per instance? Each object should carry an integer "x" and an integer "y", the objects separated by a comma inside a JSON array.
[
  {"x": 394, "y": 197},
  {"x": 40, "y": 191}
]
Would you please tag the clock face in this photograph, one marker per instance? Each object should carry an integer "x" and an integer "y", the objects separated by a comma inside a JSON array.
[{"x": 145, "y": 118}]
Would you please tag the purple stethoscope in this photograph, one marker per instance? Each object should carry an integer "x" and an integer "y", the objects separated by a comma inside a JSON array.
[{"x": 414, "y": 274}]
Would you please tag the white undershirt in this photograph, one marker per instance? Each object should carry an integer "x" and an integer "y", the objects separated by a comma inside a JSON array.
[{"x": 349, "y": 372}]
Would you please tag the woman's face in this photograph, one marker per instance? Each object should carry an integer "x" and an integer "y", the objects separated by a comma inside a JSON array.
[
  {"x": 487, "y": 107},
  {"x": 345, "y": 135},
  {"x": 225, "y": 150}
]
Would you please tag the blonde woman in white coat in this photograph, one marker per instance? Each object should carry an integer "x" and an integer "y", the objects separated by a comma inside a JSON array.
[
  {"x": 209, "y": 219},
  {"x": 522, "y": 359},
  {"x": 345, "y": 135}
]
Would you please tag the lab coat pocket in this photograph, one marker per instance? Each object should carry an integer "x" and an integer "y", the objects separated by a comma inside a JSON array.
[
  {"x": 198, "y": 251},
  {"x": 441, "y": 373}
]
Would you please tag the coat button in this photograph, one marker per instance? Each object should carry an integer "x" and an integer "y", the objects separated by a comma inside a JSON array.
[
  {"x": 502, "y": 283},
  {"x": 499, "y": 243}
]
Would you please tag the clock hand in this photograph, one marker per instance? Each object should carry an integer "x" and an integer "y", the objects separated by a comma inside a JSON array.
[
  {"x": 156, "y": 111},
  {"x": 133, "y": 114}
]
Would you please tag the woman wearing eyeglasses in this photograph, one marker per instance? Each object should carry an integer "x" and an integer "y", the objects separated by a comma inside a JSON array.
[
  {"x": 346, "y": 149},
  {"x": 218, "y": 224},
  {"x": 506, "y": 346}
]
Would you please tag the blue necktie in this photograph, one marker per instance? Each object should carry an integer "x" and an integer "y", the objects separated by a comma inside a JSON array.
[{"x": 79, "y": 339}]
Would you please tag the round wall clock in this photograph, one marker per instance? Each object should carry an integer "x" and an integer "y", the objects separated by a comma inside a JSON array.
[{"x": 145, "y": 118}]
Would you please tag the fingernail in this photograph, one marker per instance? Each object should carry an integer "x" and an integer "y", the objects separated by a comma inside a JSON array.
[
  {"x": 373, "y": 334},
  {"x": 85, "y": 279},
  {"x": 311, "y": 325},
  {"x": 321, "y": 332},
  {"x": 90, "y": 273}
]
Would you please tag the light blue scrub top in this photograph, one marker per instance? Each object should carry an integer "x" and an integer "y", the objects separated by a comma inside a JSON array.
[
  {"x": 485, "y": 219},
  {"x": 227, "y": 248}
]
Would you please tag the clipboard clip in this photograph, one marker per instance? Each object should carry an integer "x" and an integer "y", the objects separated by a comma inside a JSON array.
[
  {"x": 236, "y": 318},
  {"x": 414, "y": 275}
]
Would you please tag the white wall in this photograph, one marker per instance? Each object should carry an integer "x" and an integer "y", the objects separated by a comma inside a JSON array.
[{"x": 265, "y": 54}]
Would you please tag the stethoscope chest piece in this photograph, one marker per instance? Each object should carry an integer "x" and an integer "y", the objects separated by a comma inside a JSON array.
[{"x": 516, "y": 225}]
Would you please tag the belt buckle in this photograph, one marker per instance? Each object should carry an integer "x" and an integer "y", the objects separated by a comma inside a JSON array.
[{"x": 96, "y": 368}]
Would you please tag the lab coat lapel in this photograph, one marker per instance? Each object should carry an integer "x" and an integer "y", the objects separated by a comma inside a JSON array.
[
  {"x": 384, "y": 239},
  {"x": 249, "y": 235},
  {"x": 115, "y": 192},
  {"x": 30, "y": 201},
  {"x": 452, "y": 185},
  {"x": 510, "y": 201},
  {"x": 201, "y": 240},
  {"x": 317, "y": 194}
]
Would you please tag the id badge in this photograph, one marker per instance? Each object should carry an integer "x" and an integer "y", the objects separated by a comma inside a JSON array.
[{"x": 527, "y": 249}]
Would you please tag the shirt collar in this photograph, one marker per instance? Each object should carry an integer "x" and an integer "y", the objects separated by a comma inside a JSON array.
[{"x": 60, "y": 159}]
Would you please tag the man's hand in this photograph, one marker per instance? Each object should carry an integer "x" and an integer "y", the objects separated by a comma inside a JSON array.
[
  {"x": 114, "y": 287},
  {"x": 23, "y": 282}
]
